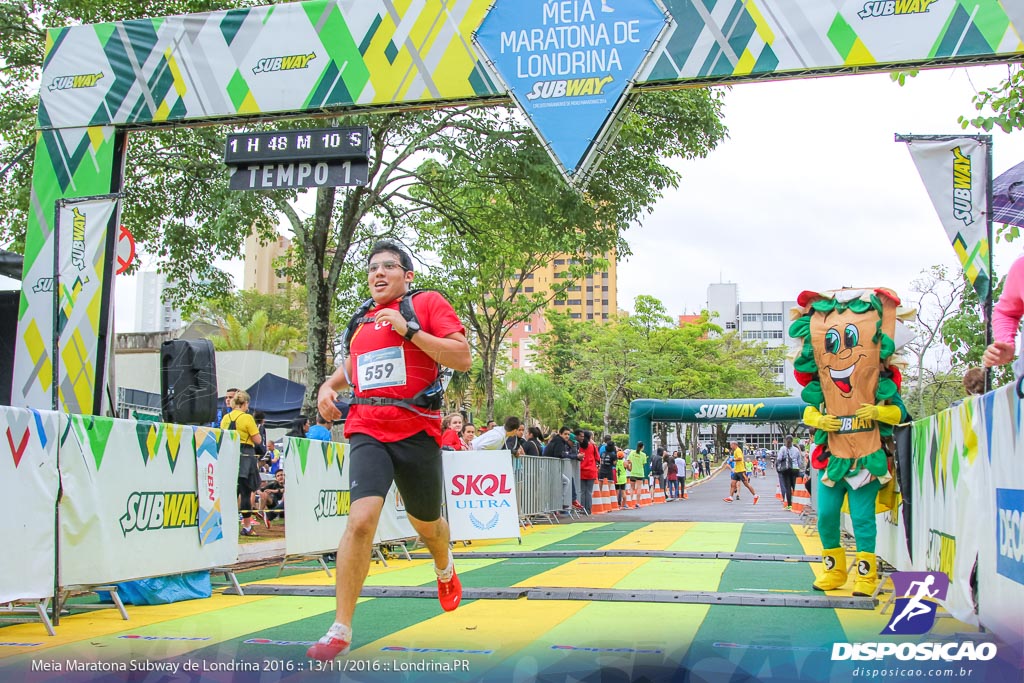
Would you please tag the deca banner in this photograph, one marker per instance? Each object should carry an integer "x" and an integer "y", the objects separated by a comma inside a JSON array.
[
  {"x": 956, "y": 174},
  {"x": 999, "y": 525},
  {"x": 28, "y": 470},
  {"x": 480, "y": 495}
]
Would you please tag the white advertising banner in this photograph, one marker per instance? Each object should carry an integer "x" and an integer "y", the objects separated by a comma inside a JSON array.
[
  {"x": 480, "y": 494},
  {"x": 394, "y": 522},
  {"x": 999, "y": 524},
  {"x": 82, "y": 289},
  {"x": 28, "y": 470},
  {"x": 130, "y": 506},
  {"x": 956, "y": 174},
  {"x": 948, "y": 473},
  {"x": 316, "y": 495}
]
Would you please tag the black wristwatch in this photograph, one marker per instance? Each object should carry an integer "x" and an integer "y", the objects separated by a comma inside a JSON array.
[{"x": 412, "y": 327}]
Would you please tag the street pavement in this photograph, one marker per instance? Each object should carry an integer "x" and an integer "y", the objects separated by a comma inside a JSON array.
[{"x": 705, "y": 504}]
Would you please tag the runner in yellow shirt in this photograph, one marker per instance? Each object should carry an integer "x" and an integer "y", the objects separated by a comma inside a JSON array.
[{"x": 739, "y": 473}]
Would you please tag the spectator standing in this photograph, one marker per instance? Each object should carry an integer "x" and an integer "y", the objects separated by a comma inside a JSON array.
[
  {"x": 672, "y": 478},
  {"x": 788, "y": 464},
  {"x": 609, "y": 458},
  {"x": 558, "y": 447},
  {"x": 589, "y": 464},
  {"x": 681, "y": 474},
  {"x": 299, "y": 428},
  {"x": 321, "y": 431},
  {"x": 534, "y": 442},
  {"x": 467, "y": 435},
  {"x": 621, "y": 477},
  {"x": 1006, "y": 316},
  {"x": 637, "y": 461},
  {"x": 513, "y": 441},
  {"x": 451, "y": 429},
  {"x": 658, "y": 469},
  {"x": 248, "y": 469}
]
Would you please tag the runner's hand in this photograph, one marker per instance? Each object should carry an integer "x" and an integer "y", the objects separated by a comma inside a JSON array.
[{"x": 325, "y": 400}]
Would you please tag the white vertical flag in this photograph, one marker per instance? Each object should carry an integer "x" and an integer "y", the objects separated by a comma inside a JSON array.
[{"x": 955, "y": 173}]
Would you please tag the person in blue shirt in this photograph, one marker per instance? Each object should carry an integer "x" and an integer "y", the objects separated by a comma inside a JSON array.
[{"x": 321, "y": 431}]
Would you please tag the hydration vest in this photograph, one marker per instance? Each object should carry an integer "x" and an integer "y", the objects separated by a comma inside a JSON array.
[{"x": 431, "y": 398}]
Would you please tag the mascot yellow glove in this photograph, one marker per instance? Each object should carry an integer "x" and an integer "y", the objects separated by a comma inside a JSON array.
[
  {"x": 882, "y": 413},
  {"x": 814, "y": 418}
]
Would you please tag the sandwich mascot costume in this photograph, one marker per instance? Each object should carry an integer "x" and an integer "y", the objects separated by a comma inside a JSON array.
[{"x": 853, "y": 392}]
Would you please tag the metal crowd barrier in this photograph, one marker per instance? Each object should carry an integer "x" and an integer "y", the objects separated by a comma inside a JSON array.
[{"x": 539, "y": 485}]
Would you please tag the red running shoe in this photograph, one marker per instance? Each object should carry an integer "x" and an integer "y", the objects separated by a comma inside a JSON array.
[
  {"x": 327, "y": 648},
  {"x": 755, "y": 499},
  {"x": 449, "y": 593}
]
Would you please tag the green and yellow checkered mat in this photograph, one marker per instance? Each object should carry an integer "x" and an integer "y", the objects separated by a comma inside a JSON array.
[{"x": 225, "y": 637}]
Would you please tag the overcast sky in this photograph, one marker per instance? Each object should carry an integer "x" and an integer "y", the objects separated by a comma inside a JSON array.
[{"x": 810, "y": 191}]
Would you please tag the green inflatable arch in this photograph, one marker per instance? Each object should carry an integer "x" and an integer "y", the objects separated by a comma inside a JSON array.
[{"x": 644, "y": 411}]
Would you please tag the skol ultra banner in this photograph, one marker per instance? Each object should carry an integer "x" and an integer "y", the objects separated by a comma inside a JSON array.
[
  {"x": 956, "y": 174},
  {"x": 130, "y": 506},
  {"x": 28, "y": 470},
  {"x": 316, "y": 495},
  {"x": 998, "y": 515},
  {"x": 480, "y": 494}
]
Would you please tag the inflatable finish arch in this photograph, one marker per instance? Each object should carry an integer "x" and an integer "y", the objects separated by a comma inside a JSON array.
[{"x": 644, "y": 411}]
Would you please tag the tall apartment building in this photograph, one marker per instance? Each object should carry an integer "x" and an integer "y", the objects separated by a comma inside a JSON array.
[
  {"x": 259, "y": 271},
  {"x": 766, "y": 322},
  {"x": 151, "y": 313},
  {"x": 593, "y": 298}
]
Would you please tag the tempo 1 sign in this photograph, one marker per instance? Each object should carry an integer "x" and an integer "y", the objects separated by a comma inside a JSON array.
[
  {"x": 322, "y": 157},
  {"x": 299, "y": 174}
]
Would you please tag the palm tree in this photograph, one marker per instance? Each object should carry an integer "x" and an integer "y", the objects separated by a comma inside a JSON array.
[{"x": 256, "y": 335}]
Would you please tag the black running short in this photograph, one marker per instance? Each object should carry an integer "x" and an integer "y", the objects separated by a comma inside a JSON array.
[{"x": 414, "y": 464}]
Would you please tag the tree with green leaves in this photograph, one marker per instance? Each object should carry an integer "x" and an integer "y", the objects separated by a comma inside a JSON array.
[
  {"x": 531, "y": 396},
  {"x": 256, "y": 334},
  {"x": 1001, "y": 106},
  {"x": 499, "y": 211}
]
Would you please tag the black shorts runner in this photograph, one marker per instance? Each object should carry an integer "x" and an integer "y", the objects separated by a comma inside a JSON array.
[
  {"x": 739, "y": 476},
  {"x": 414, "y": 464}
]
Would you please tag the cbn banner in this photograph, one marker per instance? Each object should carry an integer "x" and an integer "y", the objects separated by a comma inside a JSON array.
[
  {"x": 480, "y": 494},
  {"x": 956, "y": 174},
  {"x": 28, "y": 470},
  {"x": 130, "y": 506},
  {"x": 999, "y": 524}
]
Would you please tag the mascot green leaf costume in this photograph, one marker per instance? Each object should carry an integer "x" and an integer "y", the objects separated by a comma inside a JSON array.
[{"x": 854, "y": 401}]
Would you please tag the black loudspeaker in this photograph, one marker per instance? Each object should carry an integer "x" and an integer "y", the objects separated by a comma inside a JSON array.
[
  {"x": 188, "y": 381},
  {"x": 8, "y": 321}
]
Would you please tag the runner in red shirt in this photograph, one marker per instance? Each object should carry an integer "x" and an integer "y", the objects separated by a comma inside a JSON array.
[{"x": 391, "y": 438}]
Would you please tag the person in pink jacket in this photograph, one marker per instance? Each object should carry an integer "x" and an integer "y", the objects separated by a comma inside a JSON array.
[{"x": 1006, "y": 320}]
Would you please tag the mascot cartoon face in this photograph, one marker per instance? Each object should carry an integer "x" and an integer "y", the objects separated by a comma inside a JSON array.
[
  {"x": 848, "y": 358},
  {"x": 848, "y": 337}
]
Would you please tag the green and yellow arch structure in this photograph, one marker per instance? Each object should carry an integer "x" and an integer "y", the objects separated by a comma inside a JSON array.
[
  {"x": 100, "y": 82},
  {"x": 643, "y": 412}
]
